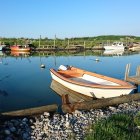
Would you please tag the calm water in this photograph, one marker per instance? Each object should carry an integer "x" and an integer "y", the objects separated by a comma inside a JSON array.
[{"x": 24, "y": 84}]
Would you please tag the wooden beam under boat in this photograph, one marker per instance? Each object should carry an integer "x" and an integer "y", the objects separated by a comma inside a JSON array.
[
  {"x": 100, "y": 103},
  {"x": 31, "y": 111}
]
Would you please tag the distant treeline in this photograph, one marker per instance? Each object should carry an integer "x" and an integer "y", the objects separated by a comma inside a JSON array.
[{"x": 69, "y": 42}]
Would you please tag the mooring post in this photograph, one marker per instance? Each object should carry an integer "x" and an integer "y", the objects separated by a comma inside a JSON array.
[
  {"x": 68, "y": 43},
  {"x": 138, "y": 71},
  {"x": 65, "y": 99},
  {"x": 84, "y": 44},
  {"x": 39, "y": 40},
  {"x": 136, "y": 90},
  {"x": 127, "y": 70}
]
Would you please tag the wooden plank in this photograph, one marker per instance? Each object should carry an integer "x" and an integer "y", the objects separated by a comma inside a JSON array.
[
  {"x": 138, "y": 71},
  {"x": 100, "y": 103},
  {"x": 32, "y": 111},
  {"x": 127, "y": 71},
  {"x": 73, "y": 96},
  {"x": 134, "y": 79}
]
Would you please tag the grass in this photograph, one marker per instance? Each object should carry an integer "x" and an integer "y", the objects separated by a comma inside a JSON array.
[{"x": 116, "y": 127}]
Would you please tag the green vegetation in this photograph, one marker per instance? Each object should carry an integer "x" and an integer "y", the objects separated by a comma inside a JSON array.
[
  {"x": 137, "y": 119},
  {"x": 70, "y": 42},
  {"x": 116, "y": 127}
]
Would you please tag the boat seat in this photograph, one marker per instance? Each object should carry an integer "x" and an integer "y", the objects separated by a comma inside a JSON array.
[{"x": 69, "y": 73}]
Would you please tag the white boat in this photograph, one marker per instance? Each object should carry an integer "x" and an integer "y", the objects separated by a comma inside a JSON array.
[
  {"x": 89, "y": 83},
  {"x": 1, "y": 47},
  {"x": 115, "y": 45}
]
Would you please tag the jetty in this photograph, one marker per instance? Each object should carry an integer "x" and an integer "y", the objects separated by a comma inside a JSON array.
[{"x": 134, "y": 78}]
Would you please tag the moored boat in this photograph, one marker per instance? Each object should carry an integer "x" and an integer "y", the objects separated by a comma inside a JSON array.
[
  {"x": 114, "y": 46},
  {"x": 89, "y": 83},
  {"x": 19, "y": 48},
  {"x": 1, "y": 47}
]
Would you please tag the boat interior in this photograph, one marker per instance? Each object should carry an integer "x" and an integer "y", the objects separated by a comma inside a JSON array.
[{"x": 79, "y": 75}]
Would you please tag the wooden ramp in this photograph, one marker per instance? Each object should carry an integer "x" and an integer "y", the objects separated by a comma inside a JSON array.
[{"x": 71, "y": 95}]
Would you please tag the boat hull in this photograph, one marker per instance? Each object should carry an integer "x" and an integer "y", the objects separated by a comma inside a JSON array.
[
  {"x": 1, "y": 47},
  {"x": 20, "y": 48},
  {"x": 113, "y": 48},
  {"x": 90, "y": 91},
  {"x": 20, "y": 53}
]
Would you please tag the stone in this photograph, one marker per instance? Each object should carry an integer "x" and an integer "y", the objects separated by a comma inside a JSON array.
[
  {"x": 12, "y": 129},
  {"x": 7, "y": 132}
]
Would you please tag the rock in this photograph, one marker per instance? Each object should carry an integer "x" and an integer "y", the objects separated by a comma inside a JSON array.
[
  {"x": 7, "y": 132},
  {"x": 25, "y": 136},
  {"x": 112, "y": 108},
  {"x": 46, "y": 114},
  {"x": 12, "y": 129},
  {"x": 8, "y": 138}
]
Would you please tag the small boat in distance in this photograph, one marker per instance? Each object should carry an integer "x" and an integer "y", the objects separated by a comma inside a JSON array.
[
  {"x": 20, "y": 48},
  {"x": 114, "y": 46},
  {"x": 1, "y": 47},
  {"x": 89, "y": 83}
]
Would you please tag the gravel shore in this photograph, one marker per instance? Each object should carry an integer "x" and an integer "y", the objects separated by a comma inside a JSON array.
[{"x": 56, "y": 126}]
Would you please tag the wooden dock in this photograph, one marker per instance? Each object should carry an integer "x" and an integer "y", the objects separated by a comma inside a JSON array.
[{"x": 133, "y": 79}]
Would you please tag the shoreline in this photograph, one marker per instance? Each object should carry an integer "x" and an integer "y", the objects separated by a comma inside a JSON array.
[{"x": 56, "y": 126}]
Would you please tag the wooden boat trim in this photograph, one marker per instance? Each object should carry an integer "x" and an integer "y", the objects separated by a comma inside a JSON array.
[{"x": 75, "y": 72}]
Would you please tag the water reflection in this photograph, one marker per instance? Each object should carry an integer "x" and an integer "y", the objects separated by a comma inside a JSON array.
[
  {"x": 5, "y": 77},
  {"x": 114, "y": 52},
  {"x": 28, "y": 85},
  {"x": 19, "y": 54},
  {"x": 67, "y": 53},
  {"x": 73, "y": 96},
  {"x": 3, "y": 93}
]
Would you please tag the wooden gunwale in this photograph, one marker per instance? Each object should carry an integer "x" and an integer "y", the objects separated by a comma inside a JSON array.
[{"x": 65, "y": 75}]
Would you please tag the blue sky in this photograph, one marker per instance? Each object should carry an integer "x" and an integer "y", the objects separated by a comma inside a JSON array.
[{"x": 69, "y": 18}]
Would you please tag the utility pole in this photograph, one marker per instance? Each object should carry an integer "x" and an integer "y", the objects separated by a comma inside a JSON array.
[
  {"x": 39, "y": 41},
  {"x": 68, "y": 43},
  {"x": 84, "y": 44},
  {"x": 54, "y": 41}
]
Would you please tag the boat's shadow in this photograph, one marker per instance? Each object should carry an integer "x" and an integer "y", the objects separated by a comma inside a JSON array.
[{"x": 70, "y": 95}]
